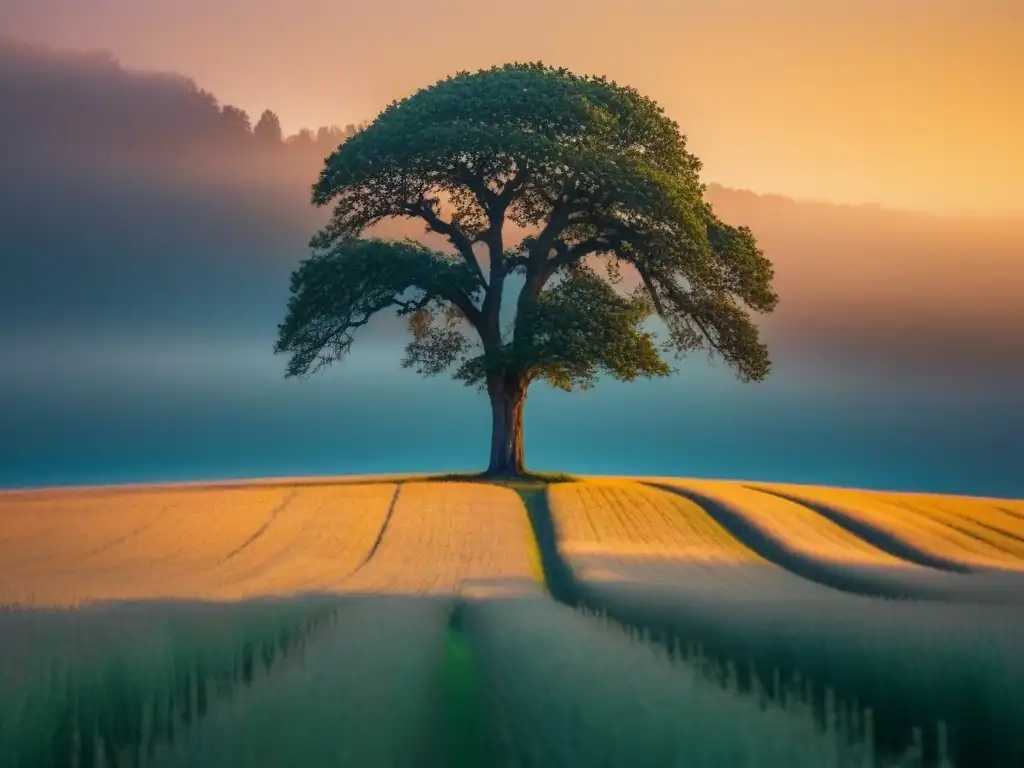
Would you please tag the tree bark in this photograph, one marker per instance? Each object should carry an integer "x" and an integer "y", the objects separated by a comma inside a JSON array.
[{"x": 508, "y": 398}]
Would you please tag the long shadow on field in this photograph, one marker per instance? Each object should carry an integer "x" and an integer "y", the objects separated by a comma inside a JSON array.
[
  {"x": 874, "y": 535},
  {"x": 760, "y": 639},
  {"x": 1001, "y": 533},
  {"x": 1011, "y": 513},
  {"x": 918, "y": 509},
  {"x": 558, "y": 576},
  {"x": 910, "y": 582}
]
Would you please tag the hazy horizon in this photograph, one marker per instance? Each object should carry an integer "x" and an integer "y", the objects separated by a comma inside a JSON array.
[
  {"x": 912, "y": 105},
  {"x": 146, "y": 245}
]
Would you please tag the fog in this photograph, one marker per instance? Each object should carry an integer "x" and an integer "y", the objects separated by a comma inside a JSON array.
[{"x": 146, "y": 238}]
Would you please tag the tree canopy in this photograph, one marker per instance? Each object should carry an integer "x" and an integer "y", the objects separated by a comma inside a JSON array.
[{"x": 590, "y": 168}]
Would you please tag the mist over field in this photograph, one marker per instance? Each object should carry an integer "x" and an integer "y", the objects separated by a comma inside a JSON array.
[{"x": 146, "y": 239}]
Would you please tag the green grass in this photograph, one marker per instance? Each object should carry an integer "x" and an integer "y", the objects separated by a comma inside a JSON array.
[
  {"x": 119, "y": 681},
  {"x": 569, "y": 690},
  {"x": 464, "y": 726},
  {"x": 366, "y": 694}
]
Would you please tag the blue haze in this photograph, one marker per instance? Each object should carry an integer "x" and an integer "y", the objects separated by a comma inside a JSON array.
[
  {"x": 145, "y": 248},
  {"x": 230, "y": 414}
]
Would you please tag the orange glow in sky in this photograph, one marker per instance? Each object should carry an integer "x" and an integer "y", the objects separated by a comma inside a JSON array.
[{"x": 907, "y": 103}]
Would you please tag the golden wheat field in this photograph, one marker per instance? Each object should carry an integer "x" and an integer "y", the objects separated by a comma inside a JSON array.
[{"x": 615, "y": 621}]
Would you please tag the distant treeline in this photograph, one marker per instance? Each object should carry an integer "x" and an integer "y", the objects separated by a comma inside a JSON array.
[{"x": 70, "y": 102}]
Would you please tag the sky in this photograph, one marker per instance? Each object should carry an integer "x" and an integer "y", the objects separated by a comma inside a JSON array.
[
  {"x": 907, "y": 103},
  {"x": 145, "y": 247}
]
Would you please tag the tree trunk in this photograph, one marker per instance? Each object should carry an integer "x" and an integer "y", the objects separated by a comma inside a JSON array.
[{"x": 507, "y": 401}]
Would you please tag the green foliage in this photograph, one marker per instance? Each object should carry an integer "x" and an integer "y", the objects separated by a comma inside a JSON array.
[
  {"x": 592, "y": 167},
  {"x": 577, "y": 329},
  {"x": 438, "y": 340},
  {"x": 338, "y": 290},
  {"x": 470, "y": 132},
  {"x": 582, "y": 327}
]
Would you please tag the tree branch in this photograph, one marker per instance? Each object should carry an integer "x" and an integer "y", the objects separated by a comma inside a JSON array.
[
  {"x": 562, "y": 209},
  {"x": 494, "y": 204},
  {"x": 685, "y": 303},
  {"x": 424, "y": 209},
  {"x": 566, "y": 255},
  {"x": 308, "y": 352},
  {"x": 649, "y": 285},
  {"x": 486, "y": 198},
  {"x": 408, "y": 307},
  {"x": 466, "y": 307},
  {"x": 513, "y": 185}
]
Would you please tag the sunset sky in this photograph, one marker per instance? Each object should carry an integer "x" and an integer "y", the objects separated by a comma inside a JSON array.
[
  {"x": 907, "y": 103},
  {"x": 146, "y": 240}
]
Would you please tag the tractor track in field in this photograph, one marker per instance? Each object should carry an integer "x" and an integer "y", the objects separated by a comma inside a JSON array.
[
  {"x": 281, "y": 507},
  {"x": 127, "y": 536},
  {"x": 380, "y": 536}
]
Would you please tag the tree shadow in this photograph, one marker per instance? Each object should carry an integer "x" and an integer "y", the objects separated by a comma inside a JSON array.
[{"x": 792, "y": 636}]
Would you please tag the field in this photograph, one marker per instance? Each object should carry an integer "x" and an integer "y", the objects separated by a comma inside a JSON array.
[{"x": 560, "y": 622}]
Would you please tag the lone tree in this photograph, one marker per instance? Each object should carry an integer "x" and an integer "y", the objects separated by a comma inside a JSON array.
[{"x": 589, "y": 167}]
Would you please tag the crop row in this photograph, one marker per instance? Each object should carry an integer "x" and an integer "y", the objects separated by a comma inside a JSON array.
[
  {"x": 563, "y": 689},
  {"x": 916, "y": 663},
  {"x": 107, "y": 684}
]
